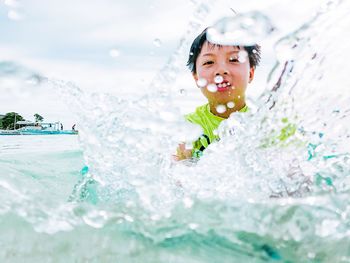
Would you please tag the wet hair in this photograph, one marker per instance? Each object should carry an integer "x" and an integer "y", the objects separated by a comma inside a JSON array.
[{"x": 196, "y": 47}]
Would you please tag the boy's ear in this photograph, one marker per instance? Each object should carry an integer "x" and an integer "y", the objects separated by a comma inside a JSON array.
[
  {"x": 195, "y": 76},
  {"x": 251, "y": 74}
]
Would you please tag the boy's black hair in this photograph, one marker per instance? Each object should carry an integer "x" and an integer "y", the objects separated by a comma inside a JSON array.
[{"x": 253, "y": 52}]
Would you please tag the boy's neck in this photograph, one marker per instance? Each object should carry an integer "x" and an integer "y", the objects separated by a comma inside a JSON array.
[{"x": 239, "y": 105}]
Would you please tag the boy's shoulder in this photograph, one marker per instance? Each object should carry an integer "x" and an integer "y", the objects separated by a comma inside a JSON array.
[
  {"x": 198, "y": 114},
  {"x": 206, "y": 120}
]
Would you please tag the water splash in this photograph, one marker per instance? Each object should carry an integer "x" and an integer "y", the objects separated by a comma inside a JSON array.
[
  {"x": 276, "y": 162},
  {"x": 246, "y": 29},
  {"x": 19, "y": 81},
  {"x": 224, "y": 206}
]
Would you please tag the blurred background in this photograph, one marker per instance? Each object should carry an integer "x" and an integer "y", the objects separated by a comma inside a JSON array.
[{"x": 116, "y": 47}]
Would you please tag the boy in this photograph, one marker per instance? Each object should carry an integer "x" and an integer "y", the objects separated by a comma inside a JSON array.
[{"x": 222, "y": 73}]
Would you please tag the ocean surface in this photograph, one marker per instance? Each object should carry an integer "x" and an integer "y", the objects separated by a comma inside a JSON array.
[
  {"x": 42, "y": 221},
  {"x": 275, "y": 188}
]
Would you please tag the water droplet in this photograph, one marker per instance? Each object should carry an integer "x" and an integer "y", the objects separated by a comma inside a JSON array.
[
  {"x": 328, "y": 5},
  {"x": 212, "y": 88},
  {"x": 156, "y": 217},
  {"x": 242, "y": 56},
  {"x": 188, "y": 202},
  {"x": 286, "y": 49},
  {"x": 157, "y": 42},
  {"x": 128, "y": 218},
  {"x": 244, "y": 29},
  {"x": 231, "y": 104},
  {"x": 189, "y": 145},
  {"x": 193, "y": 226},
  {"x": 114, "y": 53},
  {"x": 14, "y": 15},
  {"x": 34, "y": 80},
  {"x": 218, "y": 79},
  {"x": 183, "y": 92},
  {"x": 221, "y": 108},
  {"x": 96, "y": 219},
  {"x": 202, "y": 83}
]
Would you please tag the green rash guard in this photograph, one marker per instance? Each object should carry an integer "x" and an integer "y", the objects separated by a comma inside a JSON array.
[{"x": 209, "y": 123}]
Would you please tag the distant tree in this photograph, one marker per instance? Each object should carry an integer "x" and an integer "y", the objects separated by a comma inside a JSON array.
[
  {"x": 8, "y": 121},
  {"x": 38, "y": 118}
]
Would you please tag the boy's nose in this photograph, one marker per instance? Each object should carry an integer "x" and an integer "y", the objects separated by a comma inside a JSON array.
[
  {"x": 221, "y": 70},
  {"x": 221, "y": 73}
]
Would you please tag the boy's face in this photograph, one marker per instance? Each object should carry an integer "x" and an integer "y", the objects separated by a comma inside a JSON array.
[{"x": 229, "y": 62}]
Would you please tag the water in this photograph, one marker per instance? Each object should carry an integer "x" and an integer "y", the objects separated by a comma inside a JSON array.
[{"x": 259, "y": 195}]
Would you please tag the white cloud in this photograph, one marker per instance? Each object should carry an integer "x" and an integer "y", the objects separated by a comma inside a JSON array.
[{"x": 71, "y": 40}]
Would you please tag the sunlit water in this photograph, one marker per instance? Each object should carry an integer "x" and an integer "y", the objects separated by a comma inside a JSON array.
[{"x": 258, "y": 195}]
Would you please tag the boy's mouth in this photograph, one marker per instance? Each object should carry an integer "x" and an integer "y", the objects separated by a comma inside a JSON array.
[{"x": 223, "y": 86}]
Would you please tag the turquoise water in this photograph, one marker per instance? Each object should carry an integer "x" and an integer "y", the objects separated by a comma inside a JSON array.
[
  {"x": 113, "y": 193},
  {"x": 38, "y": 224}
]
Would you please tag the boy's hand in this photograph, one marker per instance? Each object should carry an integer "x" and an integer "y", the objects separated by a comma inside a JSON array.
[{"x": 182, "y": 153}]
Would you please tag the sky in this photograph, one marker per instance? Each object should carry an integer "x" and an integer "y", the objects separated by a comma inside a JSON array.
[{"x": 114, "y": 46}]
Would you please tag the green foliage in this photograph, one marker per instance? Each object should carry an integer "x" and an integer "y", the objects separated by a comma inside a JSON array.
[
  {"x": 38, "y": 118},
  {"x": 8, "y": 121}
]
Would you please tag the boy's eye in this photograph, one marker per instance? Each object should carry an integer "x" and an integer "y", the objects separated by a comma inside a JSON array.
[
  {"x": 233, "y": 59},
  {"x": 209, "y": 62}
]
